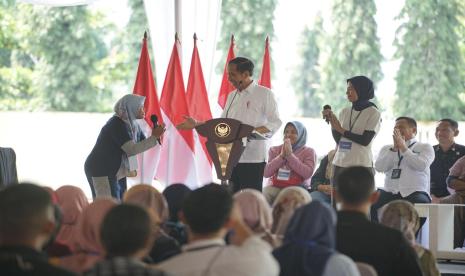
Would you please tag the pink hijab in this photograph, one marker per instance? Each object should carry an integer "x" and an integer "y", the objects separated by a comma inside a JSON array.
[
  {"x": 256, "y": 211},
  {"x": 72, "y": 201},
  {"x": 88, "y": 249},
  {"x": 148, "y": 197}
]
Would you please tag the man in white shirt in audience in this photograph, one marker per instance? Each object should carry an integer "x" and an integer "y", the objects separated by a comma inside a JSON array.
[
  {"x": 210, "y": 214},
  {"x": 406, "y": 165}
]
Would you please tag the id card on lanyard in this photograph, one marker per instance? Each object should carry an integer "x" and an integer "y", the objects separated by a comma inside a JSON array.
[
  {"x": 397, "y": 172},
  {"x": 284, "y": 174},
  {"x": 346, "y": 146}
]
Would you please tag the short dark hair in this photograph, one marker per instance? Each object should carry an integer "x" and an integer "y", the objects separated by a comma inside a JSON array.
[
  {"x": 175, "y": 195},
  {"x": 410, "y": 121},
  {"x": 453, "y": 123},
  {"x": 243, "y": 64},
  {"x": 208, "y": 208},
  {"x": 24, "y": 209},
  {"x": 125, "y": 230},
  {"x": 355, "y": 185}
]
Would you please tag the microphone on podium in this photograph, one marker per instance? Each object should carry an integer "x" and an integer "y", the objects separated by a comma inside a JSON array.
[
  {"x": 154, "y": 120},
  {"x": 326, "y": 107}
]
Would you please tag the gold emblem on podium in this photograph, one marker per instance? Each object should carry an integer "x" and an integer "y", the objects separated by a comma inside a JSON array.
[{"x": 222, "y": 130}]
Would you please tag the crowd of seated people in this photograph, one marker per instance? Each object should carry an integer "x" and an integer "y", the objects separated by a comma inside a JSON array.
[{"x": 289, "y": 229}]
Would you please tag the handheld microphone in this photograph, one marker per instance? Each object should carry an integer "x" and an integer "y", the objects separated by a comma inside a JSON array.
[
  {"x": 154, "y": 120},
  {"x": 326, "y": 107}
]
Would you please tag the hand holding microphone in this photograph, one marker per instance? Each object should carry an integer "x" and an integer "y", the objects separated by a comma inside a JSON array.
[
  {"x": 157, "y": 130},
  {"x": 327, "y": 113}
]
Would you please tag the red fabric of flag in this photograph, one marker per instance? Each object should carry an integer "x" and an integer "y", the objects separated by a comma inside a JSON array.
[
  {"x": 173, "y": 96},
  {"x": 265, "y": 78},
  {"x": 145, "y": 86},
  {"x": 197, "y": 96},
  {"x": 226, "y": 86}
]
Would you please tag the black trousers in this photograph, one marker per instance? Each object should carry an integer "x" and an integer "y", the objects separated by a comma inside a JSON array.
[
  {"x": 247, "y": 175},
  {"x": 386, "y": 197}
]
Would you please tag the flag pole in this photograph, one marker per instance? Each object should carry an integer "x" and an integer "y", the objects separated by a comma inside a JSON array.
[{"x": 141, "y": 179}]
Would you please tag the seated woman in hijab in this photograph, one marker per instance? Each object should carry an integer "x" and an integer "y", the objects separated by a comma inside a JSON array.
[
  {"x": 88, "y": 249},
  {"x": 256, "y": 213},
  {"x": 289, "y": 164},
  {"x": 309, "y": 246},
  {"x": 153, "y": 201},
  {"x": 402, "y": 216},
  {"x": 289, "y": 200},
  {"x": 107, "y": 165},
  {"x": 72, "y": 202}
]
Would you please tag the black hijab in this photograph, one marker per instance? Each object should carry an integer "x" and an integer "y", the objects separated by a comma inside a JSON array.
[{"x": 365, "y": 92}]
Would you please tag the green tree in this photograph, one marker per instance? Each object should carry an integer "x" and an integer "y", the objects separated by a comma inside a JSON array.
[
  {"x": 135, "y": 28},
  {"x": 16, "y": 66},
  {"x": 250, "y": 21},
  {"x": 353, "y": 49},
  {"x": 67, "y": 48},
  {"x": 306, "y": 78},
  {"x": 430, "y": 77}
]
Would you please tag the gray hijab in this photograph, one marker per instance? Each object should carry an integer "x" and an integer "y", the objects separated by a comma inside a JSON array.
[
  {"x": 127, "y": 108},
  {"x": 301, "y": 135}
]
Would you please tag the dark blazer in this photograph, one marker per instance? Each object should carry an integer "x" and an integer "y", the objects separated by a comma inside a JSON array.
[
  {"x": 384, "y": 248},
  {"x": 20, "y": 260},
  {"x": 8, "y": 174}
]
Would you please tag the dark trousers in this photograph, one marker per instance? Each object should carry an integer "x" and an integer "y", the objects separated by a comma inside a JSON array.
[
  {"x": 247, "y": 175},
  {"x": 386, "y": 197}
]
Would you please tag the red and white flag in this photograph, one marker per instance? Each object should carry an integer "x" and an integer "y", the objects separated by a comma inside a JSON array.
[
  {"x": 199, "y": 109},
  {"x": 145, "y": 86},
  {"x": 226, "y": 86},
  {"x": 177, "y": 152},
  {"x": 265, "y": 78}
]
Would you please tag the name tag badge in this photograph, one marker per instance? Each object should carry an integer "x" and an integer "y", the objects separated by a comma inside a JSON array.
[
  {"x": 284, "y": 174},
  {"x": 396, "y": 173},
  {"x": 345, "y": 146}
]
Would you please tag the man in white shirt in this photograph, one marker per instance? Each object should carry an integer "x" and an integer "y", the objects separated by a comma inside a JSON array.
[
  {"x": 406, "y": 165},
  {"x": 254, "y": 105},
  {"x": 210, "y": 214}
]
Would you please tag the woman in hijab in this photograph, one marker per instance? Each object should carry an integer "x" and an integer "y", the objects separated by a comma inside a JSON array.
[
  {"x": 175, "y": 195},
  {"x": 402, "y": 216},
  {"x": 256, "y": 213},
  {"x": 290, "y": 199},
  {"x": 148, "y": 197},
  {"x": 289, "y": 164},
  {"x": 87, "y": 248},
  {"x": 107, "y": 165},
  {"x": 72, "y": 202},
  {"x": 356, "y": 127},
  {"x": 310, "y": 242}
]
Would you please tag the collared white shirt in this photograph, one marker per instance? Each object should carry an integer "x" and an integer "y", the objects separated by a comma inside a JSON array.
[
  {"x": 415, "y": 174},
  {"x": 214, "y": 258},
  {"x": 255, "y": 106}
]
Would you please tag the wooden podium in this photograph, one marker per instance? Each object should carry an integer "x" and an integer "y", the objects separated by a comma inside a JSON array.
[{"x": 226, "y": 141}]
